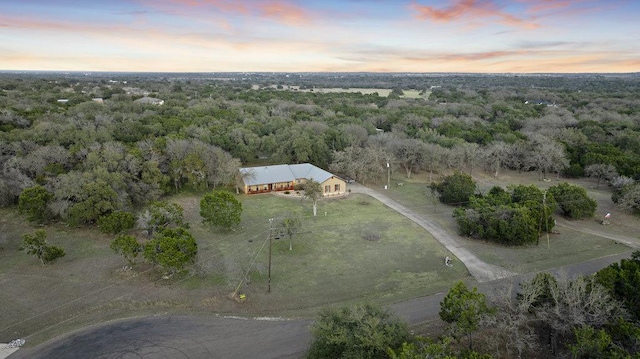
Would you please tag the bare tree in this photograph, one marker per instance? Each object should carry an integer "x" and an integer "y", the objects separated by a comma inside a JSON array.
[
  {"x": 409, "y": 153},
  {"x": 495, "y": 155},
  {"x": 601, "y": 172}
]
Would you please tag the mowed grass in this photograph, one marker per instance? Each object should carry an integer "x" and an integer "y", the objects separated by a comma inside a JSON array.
[
  {"x": 359, "y": 250},
  {"x": 355, "y": 249},
  {"x": 567, "y": 245}
]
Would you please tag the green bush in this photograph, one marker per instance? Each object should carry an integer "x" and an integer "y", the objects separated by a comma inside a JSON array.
[
  {"x": 33, "y": 202},
  {"x": 221, "y": 209},
  {"x": 360, "y": 331},
  {"x": 127, "y": 246},
  {"x": 172, "y": 249},
  {"x": 574, "y": 201},
  {"x": 455, "y": 189},
  {"x": 513, "y": 217},
  {"x": 36, "y": 244},
  {"x": 116, "y": 222}
]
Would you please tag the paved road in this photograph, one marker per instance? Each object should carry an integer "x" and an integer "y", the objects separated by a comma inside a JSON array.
[
  {"x": 195, "y": 337},
  {"x": 176, "y": 337},
  {"x": 481, "y": 271},
  {"x": 201, "y": 337}
]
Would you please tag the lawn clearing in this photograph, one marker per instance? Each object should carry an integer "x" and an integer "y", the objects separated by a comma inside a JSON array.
[
  {"x": 355, "y": 249},
  {"x": 569, "y": 245},
  {"x": 359, "y": 251}
]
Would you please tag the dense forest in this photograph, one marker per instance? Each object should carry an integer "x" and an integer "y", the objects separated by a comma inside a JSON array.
[{"x": 95, "y": 143}]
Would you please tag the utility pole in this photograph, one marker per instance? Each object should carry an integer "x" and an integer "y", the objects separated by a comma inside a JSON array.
[
  {"x": 546, "y": 220},
  {"x": 388, "y": 176},
  {"x": 270, "y": 242}
]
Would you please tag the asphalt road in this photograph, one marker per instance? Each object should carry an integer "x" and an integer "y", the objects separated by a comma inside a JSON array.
[
  {"x": 178, "y": 337},
  {"x": 198, "y": 337},
  {"x": 201, "y": 337}
]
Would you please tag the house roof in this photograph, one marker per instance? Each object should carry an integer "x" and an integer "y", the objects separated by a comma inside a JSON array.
[
  {"x": 150, "y": 100},
  {"x": 284, "y": 173}
]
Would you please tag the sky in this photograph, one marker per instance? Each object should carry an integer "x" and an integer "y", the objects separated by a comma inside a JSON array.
[{"x": 477, "y": 36}]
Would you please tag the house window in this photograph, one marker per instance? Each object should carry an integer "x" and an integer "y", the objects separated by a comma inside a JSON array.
[
  {"x": 327, "y": 188},
  {"x": 337, "y": 187},
  {"x": 266, "y": 187}
]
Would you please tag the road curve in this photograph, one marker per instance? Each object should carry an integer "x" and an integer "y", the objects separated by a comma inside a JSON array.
[
  {"x": 177, "y": 337},
  {"x": 481, "y": 271},
  {"x": 195, "y": 337},
  {"x": 205, "y": 337}
]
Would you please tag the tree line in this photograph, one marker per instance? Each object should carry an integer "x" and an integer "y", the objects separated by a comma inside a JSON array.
[{"x": 96, "y": 157}]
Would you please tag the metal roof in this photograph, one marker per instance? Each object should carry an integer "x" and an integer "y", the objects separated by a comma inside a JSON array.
[{"x": 283, "y": 173}]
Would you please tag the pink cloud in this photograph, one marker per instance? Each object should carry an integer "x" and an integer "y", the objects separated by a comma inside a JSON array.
[
  {"x": 278, "y": 10},
  {"x": 546, "y": 5},
  {"x": 470, "y": 9}
]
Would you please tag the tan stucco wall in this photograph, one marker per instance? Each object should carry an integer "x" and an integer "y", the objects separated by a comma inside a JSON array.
[{"x": 332, "y": 182}]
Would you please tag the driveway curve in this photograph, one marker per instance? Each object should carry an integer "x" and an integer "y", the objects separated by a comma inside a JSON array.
[
  {"x": 204, "y": 337},
  {"x": 195, "y": 337},
  {"x": 480, "y": 270}
]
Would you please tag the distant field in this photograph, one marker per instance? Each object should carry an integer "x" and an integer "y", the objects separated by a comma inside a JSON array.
[{"x": 364, "y": 91}]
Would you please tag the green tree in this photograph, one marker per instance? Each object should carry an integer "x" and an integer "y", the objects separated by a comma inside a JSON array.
[
  {"x": 160, "y": 215},
  {"x": 313, "y": 191},
  {"x": 33, "y": 202},
  {"x": 98, "y": 199},
  {"x": 455, "y": 189},
  {"x": 127, "y": 246},
  {"x": 172, "y": 249},
  {"x": 463, "y": 309},
  {"x": 221, "y": 209},
  {"x": 573, "y": 200},
  {"x": 622, "y": 280},
  {"x": 290, "y": 225},
  {"x": 592, "y": 343},
  {"x": 426, "y": 348},
  {"x": 36, "y": 244},
  {"x": 116, "y": 222},
  {"x": 360, "y": 331}
]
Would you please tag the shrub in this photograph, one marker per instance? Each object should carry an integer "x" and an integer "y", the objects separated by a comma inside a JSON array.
[
  {"x": 361, "y": 331},
  {"x": 512, "y": 218},
  {"x": 37, "y": 245},
  {"x": 172, "y": 249},
  {"x": 221, "y": 209},
  {"x": 127, "y": 246},
  {"x": 455, "y": 189},
  {"x": 116, "y": 222},
  {"x": 33, "y": 202},
  {"x": 574, "y": 201}
]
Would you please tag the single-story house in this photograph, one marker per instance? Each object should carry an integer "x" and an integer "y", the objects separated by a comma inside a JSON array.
[
  {"x": 285, "y": 177},
  {"x": 150, "y": 100}
]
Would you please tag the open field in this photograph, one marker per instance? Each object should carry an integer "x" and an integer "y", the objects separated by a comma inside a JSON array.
[
  {"x": 331, "y": 263},
  {"x": 356, "y": 249},
  {"x": 365, "y": 91},
  {"x": 571, "y": 244}
]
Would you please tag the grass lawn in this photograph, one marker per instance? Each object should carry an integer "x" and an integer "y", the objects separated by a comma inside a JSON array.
[
  {"x": 569, "y": 245},
  {"x": 355, "y": 249},
  {"x": 359, "y": 251}
]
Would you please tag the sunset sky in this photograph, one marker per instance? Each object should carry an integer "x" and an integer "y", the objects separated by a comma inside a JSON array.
[{"x": 321, "y": 35}]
